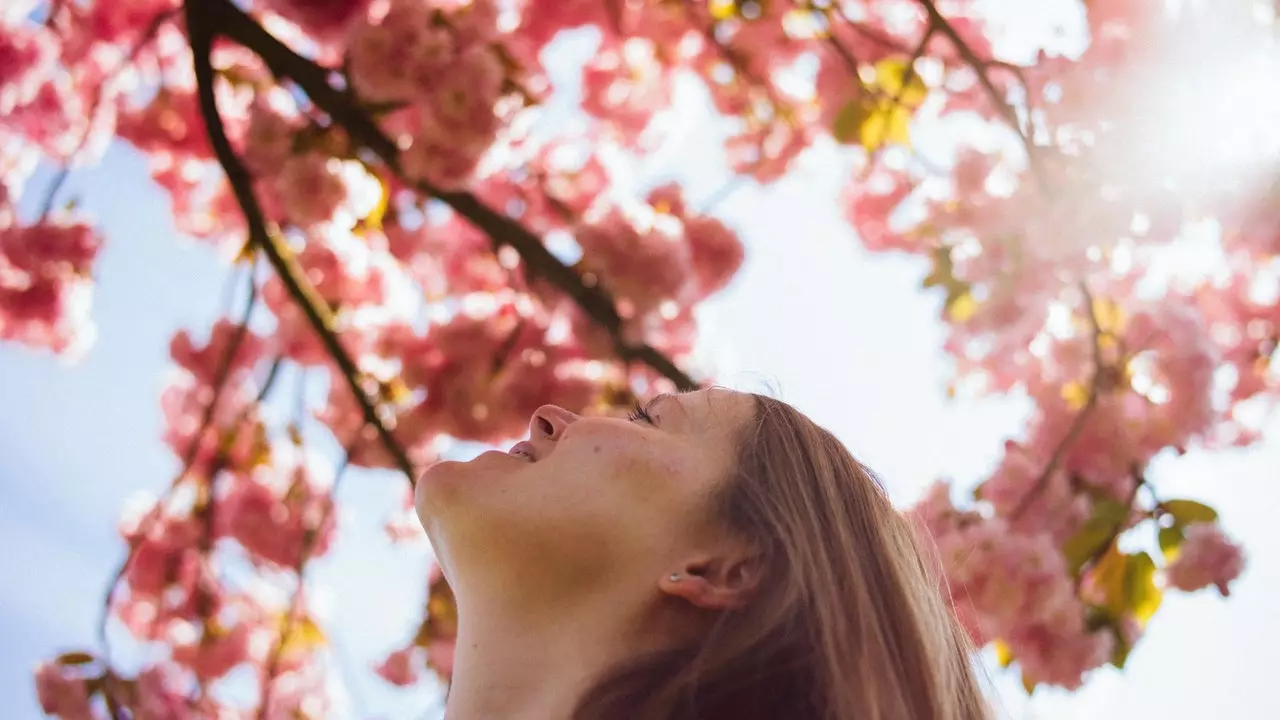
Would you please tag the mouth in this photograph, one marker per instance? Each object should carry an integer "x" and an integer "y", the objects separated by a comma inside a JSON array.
[{"x": 524, "y": 450}]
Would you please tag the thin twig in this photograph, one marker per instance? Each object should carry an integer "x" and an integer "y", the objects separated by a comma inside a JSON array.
[
  {"x": 850, "y": 60},
  {"x": 1138, "y": 481},
  {"x": 909, "y": 73},
  {"x": 304, "y": 556},
  {"x": 221, "y": 377},
  {"x": 91, "y": 116},
  {"x": 979, "y": 67},
  {"x": 1077, "y": 423}
]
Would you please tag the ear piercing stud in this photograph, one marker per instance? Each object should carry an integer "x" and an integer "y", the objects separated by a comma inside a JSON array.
[{"x": 675, "y": 577}]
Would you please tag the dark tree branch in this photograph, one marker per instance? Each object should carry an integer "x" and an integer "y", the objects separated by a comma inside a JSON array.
[
  {"x": 221, "y": 17},
  {"x": 202, "y": 21}
]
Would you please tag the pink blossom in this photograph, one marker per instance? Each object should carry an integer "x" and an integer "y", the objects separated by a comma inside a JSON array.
[
  {"x": 440, "y": 652},
  {"x": 870, "y": 204},
  {"x": 447, "y": 161},
  {"x": 269, "y": 138},
  {"x": 216, "y": 651},
  {"x": 1009, "y": 579},
  {"x": 401, "y": 667},
  {"x": 165, "y": 556},
  {"x": 463, "y": 96},
  {"x": 641, "y": 268},
  {"x": 1207, "y": 557},
  {"x": 393, "y": 59},
  {"x": 1048, "y": 503},
  {"x": 61, "y": 694},
  {"x": 716, "y": 252},
  {"x": 1060, "y": 653},
  {"x": 27, "y": 57},
  {"x": 626, "y": 89},
  {"x": 310, "y": 188},
  {"x": 208, "y": 361},
  {"x": 278, "y": 518},
  {"x": 169, "y": 123},
  {"x": 158, "y": 697},
  {"x": 45, "y": 284},
  {"x": 324, "y": 19}
]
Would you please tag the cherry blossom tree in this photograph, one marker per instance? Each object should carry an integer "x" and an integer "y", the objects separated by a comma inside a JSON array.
[{"x": 368, "y": 167}]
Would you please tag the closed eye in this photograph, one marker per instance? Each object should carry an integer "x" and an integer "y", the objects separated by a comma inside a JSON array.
[{"x": 641, "y": 413}]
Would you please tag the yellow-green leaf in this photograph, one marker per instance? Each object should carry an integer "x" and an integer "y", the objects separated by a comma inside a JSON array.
[
  {"x": 304, "y": 636},
  {"x": 1109, "y": 315},
  {"x": 1028, "y": 684},
  {"x": 723, "y": 9},
  {"x": 373, "y": 221},
  {"x": 872, "y": 123},
  {"x": 1142, "y": 595},
  {"x": 943, "y": 273},
  {"x": 961, "y": 307},
  {"x": 890, "y": 73},
  {"x": 849, "y": 121},
  {"x": 1186, "y": 512},
  {"x": 1076, "y": 394},
  {"x": 1095, "y": 534},
  {"x": 887, "y": 123},
  {"x": 1109, "y": 576},
  {"x": 1004, "y": 655},
  {"x": 1171, "y": 541}
]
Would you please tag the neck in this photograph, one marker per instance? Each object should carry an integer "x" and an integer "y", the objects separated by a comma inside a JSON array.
[{"x": 514, "y": 662}]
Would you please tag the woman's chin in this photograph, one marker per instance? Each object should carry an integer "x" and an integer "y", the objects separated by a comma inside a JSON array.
[{"x": 440, "y": 481}]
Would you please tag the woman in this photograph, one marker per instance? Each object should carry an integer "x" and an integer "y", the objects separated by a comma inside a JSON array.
[{"x": 715, "y": 556}]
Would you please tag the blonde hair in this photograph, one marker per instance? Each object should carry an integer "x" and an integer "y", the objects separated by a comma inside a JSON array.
[{"x": 849, "y": 622}]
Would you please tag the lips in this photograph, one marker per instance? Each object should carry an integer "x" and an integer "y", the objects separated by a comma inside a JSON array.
[{"x": 524, "y": 450}]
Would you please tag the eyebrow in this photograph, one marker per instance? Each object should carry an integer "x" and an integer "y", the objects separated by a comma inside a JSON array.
[{"x": 653, "y": 404}]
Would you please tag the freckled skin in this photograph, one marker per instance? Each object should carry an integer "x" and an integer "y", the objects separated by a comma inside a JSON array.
[{"x": 605, "y": 495}]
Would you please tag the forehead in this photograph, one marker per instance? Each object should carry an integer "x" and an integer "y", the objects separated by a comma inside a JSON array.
[{"x": 706, "y": 412}]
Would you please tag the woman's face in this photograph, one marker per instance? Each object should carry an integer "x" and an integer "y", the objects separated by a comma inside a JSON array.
[{"x": 585, "y": 500}]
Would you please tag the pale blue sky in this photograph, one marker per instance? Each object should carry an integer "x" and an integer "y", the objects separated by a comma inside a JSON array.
[{"x": 846, "y": 336}]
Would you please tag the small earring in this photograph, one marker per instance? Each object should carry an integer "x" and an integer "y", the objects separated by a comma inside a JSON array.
[{"x": 675, "y": 577}]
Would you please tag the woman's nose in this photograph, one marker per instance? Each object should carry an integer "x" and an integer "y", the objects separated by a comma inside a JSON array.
[{"x": 550, "y": 421}]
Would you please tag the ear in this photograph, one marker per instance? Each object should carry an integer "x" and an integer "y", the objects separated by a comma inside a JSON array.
[{"x": 715, "y": 583}]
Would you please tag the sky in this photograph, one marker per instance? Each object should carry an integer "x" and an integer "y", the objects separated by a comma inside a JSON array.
[{"x": 846, "y": 336}]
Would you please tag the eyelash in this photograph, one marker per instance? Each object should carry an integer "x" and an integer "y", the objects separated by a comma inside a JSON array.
[{"x": 641, "y": 413}]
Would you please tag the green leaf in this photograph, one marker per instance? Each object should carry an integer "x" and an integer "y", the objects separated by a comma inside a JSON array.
[
  {"x": 1171, "y": 541},
  {"x": 76, "y": 657},
  {"x": 1098, "y": 531},
  {"x": 1186, "y": 512},
  {"x": 1142, "y": 595}
]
